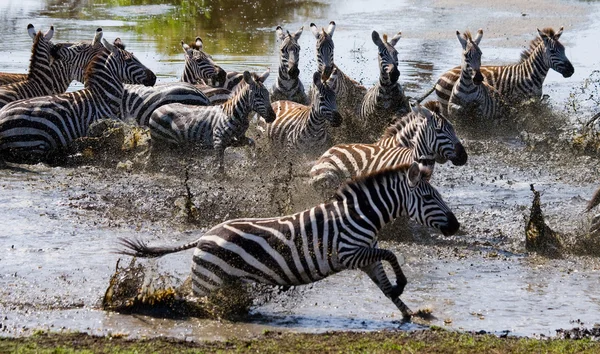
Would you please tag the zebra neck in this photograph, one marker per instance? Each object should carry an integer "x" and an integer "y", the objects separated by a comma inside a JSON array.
[
  {"x": 61, "y": 76},
  {"x": 422, "y": 149},
  {"x": 286, "y": 84},
  {"x": 238, "y": 106},
  {"x": 188, "y": 74},
  {"x": 316, "y": 120},
  {"x": 105, "y": 86},
  {"x": 535, "y": 67}
]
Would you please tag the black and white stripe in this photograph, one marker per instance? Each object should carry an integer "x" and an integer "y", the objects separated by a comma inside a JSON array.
[
  {"x": 288, "y": 86},
  {"x": 199, "y": 66},
  {"x": 214, "y": 126},
  {"x": 303, "y": 128},
  {"x": 311, "y": 245},
  {"x": 35, "y": 129}
]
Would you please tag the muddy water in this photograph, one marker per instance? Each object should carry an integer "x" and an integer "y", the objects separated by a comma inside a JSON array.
[{"x": 60, "y": 225}]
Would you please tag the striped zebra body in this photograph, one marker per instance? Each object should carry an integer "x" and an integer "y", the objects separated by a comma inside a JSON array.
[
  {"x": 33, "y": 130},
  {"x": 403, "y": 129},
  {"x": 215, "y": 95},
  {"x": 311, "y": 245},
  {"x": 386, "y": 99},
  {"x": 522, "y": 81},
  {"x": 288, "y": 86},
  {"x": 11, "y": 78},
  {"x": 139, "y": 101},
  {"x": 434, "y": 140},
  {"x": 214, "y": 126},
  {"x": 303, "y": 128}
]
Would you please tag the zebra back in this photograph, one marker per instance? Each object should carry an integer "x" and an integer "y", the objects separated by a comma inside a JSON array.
[{"x": 288, "y": 86}]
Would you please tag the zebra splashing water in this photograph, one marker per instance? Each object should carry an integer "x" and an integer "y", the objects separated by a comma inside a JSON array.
[
  {"x": 303, "y": 128},
  {"x": 311, "y": 245},
  {"x": 215, "y": 126},
  {"x": 523, "y": 81},
  {"x": 37, "y": 129},
  {"x": 288, "y": 85},
  {"x": 433, "y": 140},
  {"x": 386, "y": 99}
]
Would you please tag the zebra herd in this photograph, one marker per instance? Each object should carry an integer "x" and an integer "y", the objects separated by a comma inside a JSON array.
[{"x": 376, "y": 149}]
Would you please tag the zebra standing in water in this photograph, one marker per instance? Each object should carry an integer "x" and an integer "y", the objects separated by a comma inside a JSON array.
[
  {"x": 288, "y": 85},
  {"x": 36, "y": 129},
  {"x": 386, "y": 99},
  {"x": 402, "y": 130},
  {"x": 311, "y": 245},
  {"x": 215, "y": 126},
  {"x": 349, "y": 93},
  {"x": 523, "y": 81},
  {"x": 302, "y": 128},
  {"x": 434, "y": 139}
]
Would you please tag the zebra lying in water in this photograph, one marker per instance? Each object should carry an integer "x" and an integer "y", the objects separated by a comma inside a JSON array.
[
  {"x": 311, "y": 245},
  {"x": 433, "y": 139},
  {"x": 214, "y": 126}
]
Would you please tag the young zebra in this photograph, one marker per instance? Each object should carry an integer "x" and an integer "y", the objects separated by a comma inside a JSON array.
[
  {"x": 215, "y": 126},
  {"x": 349, "y": 94},
  {"x": 288, "y": 85},
  {"x": 311, "y": 245},
  {"x": 386, "y": 99},
  {"x": 523, "y": 81},
  {"x": 434, "y": 139},
  {"x": 36, "y": 129},
  {"x": 302, "y": 128}
]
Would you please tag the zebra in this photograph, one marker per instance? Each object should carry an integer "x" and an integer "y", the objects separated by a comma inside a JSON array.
[
  {"x": 434, "y": 140},
  {"x": 402, "y": 130},
  {"x": 300, "y": 127},
  {"x": 523, "y": 81},
  {"x": 386, "y": 99},
  {"x": 199, "y": 66},
  {"x": 313, "y": 244},
  {"x": 349, "y": 93},
  {"x": 288, "y": 85},
  {"x": 214, "y": 126},
  {"x": 38, "y": 129}
]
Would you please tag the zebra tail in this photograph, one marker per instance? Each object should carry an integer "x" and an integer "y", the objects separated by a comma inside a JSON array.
[
  {"x": 138, "y": 248},
  {"x": 420, "y": 99}
]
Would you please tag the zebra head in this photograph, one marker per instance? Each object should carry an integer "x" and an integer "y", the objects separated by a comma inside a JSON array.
[
  {"x": 388, "y": 57},
  {"x": 324, "y": 47},
  {"x": 200, "y": 66},
  {"x": 471, "y": 54},
  {"x": 424, "y": 203},
  {"x": 440, "y": 136},
  {"x": 41, "y": 58},
  {"x": 289, "y": 53},
  {"x": 126, "y": 67},
  {"x": 325, "y": 103},
  {"x": 76, "y": 56},
  {"x": 259, "y": 95},
  {"x": 554, "y": 53}
]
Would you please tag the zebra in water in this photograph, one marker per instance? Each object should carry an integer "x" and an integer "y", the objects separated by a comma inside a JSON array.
[
  {"x": 386, "y": 99},
  {"x": 214, "y": 126},
  {"x": 402, "y": 130},
  {"x": 38, "y": 129},
  {"x": 433, "y": 140},
  {"x": 302, "y": 128},
  {"x": 288, "y": 85},
  {"x": 349, "y": 93},
  {"x": 523, "y": 81},
  {"x": 313, "y": 244}
]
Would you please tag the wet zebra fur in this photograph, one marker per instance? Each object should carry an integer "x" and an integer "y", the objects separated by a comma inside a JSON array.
[
  {"x": 524, "y": 80},
  {"x": 386, "y": 99},
  {"x": 434, "y": 140},
  {"x": 288, "y": 86},
  {"x": 311, "y": 245},
  {"x": 303, "y": 128},
  {"x": 36, "y": 129},
  {"x": 403, "y": 129},
  {"x": 214, "y": 126}
]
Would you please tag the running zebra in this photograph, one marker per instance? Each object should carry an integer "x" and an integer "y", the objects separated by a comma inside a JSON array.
[
  {"x": 288, "y": 85},
  {"x": 302, "y": 128},
  {"x": 386, "y": 99},
  {"x": 523, "y": 81},
  {"x": 214, "y": 126},
  {"x": 433, "y": 140},
  {"x": 313, "y": 244},
  {"x": 403, "y": 129},
  {"x": 38, "y": 129},
  {"x": 349, "y": 93}
]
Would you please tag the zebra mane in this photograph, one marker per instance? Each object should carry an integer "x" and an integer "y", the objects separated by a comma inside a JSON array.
[
  {"x": 535, "y": 43},
  {"x": 400, "y": 123},
  {"x": 35, "y": 58},
  {"x": 369, "y": 179},
  {"x": 467, "y": 35},
  {"x": 98, "y": 60}
]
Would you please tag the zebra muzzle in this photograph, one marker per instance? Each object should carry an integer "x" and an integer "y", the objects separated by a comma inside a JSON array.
[
  {"x": 336, "y": 119},
  {"x": 478, "y": 78},
  {"x": 150, "y": 78},
  {"x": 451, "y": 226},
  {"x": 460, "y": 155}
]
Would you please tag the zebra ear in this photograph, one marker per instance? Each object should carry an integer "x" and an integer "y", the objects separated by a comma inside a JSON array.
[
  {"x": 395, "y": 39},
  {"x": 298, "y": 33},
  {"x": 48, "y": 36},
  {"x": 413, "y": 174},
  {"x": 376, "y": 39},
  {"x": 199, "y": 43},
  {"x": 186, "y": 49},
  {"x": 559, "y": 33},
  {"x": 478, "y": 36},
  {"x": 315, "y": 31},
  {"x": 97, "y": 37},
  {"x": 317, "y": 79},
  {"x": 331, "y": 28},
  {"x": 542, "y": 35},
  {"x": 31, "y": 31},
  {"x": 110, "y": 47},
  {"x": 463, "y": 42},
  {"x": 280, "y": 33},
  {"x": 248, "y": 77},
  {"x": 264, "y": 75}
]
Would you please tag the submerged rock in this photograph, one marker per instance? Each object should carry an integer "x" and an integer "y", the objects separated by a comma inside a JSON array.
[{"x": 539, "y": 237}]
